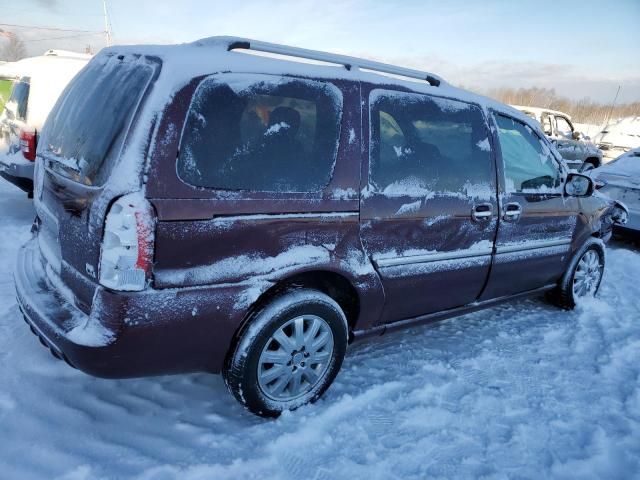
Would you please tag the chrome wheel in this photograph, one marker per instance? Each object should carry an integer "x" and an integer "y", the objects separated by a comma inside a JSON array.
[
  {"x": 587, "y": 275},
  {"x": 295, "y": 358}
]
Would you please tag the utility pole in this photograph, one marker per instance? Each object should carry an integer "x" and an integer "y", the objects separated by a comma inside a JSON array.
[
  {"x": 612, "y": 105},
  {"x": 107, "y": 24}
]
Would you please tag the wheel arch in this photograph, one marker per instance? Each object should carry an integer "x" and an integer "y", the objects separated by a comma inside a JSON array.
[
  {"x": 331, "y": 283},
  {"x": 595, "y": 161}
]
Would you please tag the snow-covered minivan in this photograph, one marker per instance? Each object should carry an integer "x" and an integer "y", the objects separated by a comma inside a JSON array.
[
  {"x": 202, "y": 208},
  {"x": 35, "y": 84}
]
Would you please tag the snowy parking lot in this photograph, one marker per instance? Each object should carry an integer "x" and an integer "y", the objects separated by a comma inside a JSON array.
[{"x": 522, "y": 390}]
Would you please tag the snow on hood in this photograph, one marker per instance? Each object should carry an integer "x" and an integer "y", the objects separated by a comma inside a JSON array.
[{"x": 624, "y": 170}]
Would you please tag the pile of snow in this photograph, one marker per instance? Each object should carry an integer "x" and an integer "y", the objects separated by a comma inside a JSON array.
[{"x": 524, "y": 390}]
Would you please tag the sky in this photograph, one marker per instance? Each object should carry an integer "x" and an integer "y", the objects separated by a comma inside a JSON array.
[{"x": 581, "y": 48}]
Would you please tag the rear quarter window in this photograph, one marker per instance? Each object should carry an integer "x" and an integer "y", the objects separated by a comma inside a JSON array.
[{"x": 261, "y": 133}]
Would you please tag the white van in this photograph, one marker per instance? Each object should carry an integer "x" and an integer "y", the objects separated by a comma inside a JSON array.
[
  {"x": 35, "y": 86},
  {"x": 619, "y": 137}
]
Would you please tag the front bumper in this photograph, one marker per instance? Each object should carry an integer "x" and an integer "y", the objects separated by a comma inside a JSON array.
[{"x": 129, "y": 334}]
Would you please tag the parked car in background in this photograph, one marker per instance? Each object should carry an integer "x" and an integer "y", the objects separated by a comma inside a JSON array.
[
  {"x": 619, "y": 137},
  {"x": 620, "y": 180},
  {"x": 192, "y": 216},
  {"x": 578, "y": 151},
  {"x": 34, "y": 84}
]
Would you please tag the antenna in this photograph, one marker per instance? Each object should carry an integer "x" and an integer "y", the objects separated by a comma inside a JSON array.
[{"x": 107, "y": 24}]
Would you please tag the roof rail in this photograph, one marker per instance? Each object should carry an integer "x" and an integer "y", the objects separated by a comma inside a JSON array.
[{"x": 348, "y": 62}]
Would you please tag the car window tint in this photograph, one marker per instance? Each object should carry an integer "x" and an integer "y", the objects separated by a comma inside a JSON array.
[
  {"x": 261, "y": 133},
  {"x": 563, "y": 127},
  {"x": 529, "y": 164},
  {"x": 422, "y": 145}
]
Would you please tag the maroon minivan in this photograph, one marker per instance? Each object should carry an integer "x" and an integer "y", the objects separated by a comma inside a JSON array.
[{"x": 202, "y": 208}]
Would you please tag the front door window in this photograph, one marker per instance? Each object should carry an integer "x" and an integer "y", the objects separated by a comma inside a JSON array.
[
  {"x": 564, "y": 128},
  {"x": 529, "y": 165}
]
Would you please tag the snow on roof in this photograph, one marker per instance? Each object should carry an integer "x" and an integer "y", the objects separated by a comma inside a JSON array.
[
  {"x": 44, "y": 64},
  {"x": 184, "y": 61},
  {"x": 67, "y": 53},
  {"x": 181, "y": 63}
]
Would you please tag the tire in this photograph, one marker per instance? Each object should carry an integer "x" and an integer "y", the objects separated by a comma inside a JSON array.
[
  {"x": 288, "y": 354},
  {"x": 587, "y": 264}
]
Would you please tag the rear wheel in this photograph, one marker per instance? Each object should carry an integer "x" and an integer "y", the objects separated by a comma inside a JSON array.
[
  {"x": 289, "y": 353},
  {"x": 582, "y": 278}
]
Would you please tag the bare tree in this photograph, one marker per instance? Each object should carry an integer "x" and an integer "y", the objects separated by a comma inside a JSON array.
[
  {"x": 14, "y": 48},
  {"x": 582, "y": 111}
]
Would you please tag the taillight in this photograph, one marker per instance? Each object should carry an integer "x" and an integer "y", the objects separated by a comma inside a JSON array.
[
  {"x": 127, "y": 246},
  {"x": 28, "y": 144}
]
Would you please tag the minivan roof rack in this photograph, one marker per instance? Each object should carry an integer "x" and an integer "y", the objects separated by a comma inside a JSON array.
[{"x": 348, "y": 62}]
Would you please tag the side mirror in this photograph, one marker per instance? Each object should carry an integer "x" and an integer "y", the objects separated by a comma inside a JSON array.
[
  {"x": 578, "y": 185},
  {"x": 576, "y": 135}
]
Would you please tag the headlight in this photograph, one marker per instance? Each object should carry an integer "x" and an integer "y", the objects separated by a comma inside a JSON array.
[{"x": 620, "y": 213}]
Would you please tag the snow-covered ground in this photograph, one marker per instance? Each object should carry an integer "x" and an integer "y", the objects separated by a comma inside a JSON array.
[
  {"x": 588, "y": 129},
  {"x": 517, "y": 391}
]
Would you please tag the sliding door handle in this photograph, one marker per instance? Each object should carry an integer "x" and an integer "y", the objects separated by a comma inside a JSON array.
[{"x": 482, "y": 212}]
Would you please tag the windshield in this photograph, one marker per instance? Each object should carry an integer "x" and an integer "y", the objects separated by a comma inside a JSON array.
[{"x": 85, "y": 131}]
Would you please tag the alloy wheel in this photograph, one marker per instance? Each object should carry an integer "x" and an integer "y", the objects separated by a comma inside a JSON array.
[
  {"x": 295, "y": 358},
  {"x": 587, "y": 275}
]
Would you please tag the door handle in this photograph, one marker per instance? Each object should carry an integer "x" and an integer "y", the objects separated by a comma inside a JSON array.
[
  {"x": 482, "y": 212},
  {"x": 512, "y": 212}
]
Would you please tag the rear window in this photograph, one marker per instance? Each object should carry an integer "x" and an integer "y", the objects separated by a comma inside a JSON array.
[
  {"x": 18, "y": 100},
  {"x": 5, "y": 91},
  {"x": 261, "y": 133},
  {"x": 85, "y": 130}
]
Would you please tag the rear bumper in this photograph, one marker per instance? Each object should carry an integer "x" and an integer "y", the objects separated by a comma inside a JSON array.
[
  {"x": 154, "y": 332},
  {"x": 18, "y": 173}
]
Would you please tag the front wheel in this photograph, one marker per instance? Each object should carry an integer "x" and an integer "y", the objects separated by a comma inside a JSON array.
[
  {"x": 582, "y": 278},
  {"x": 586, "y": 167},
  {"x": 289, "y": 353}
]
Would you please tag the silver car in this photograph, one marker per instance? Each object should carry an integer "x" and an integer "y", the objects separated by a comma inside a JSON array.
[
  {"x": 620, "y": 180},
  {"x": 577, "y": 151}
]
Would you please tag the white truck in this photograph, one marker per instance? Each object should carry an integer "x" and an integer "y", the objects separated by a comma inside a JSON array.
[{"x": 34, "y": 84}]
